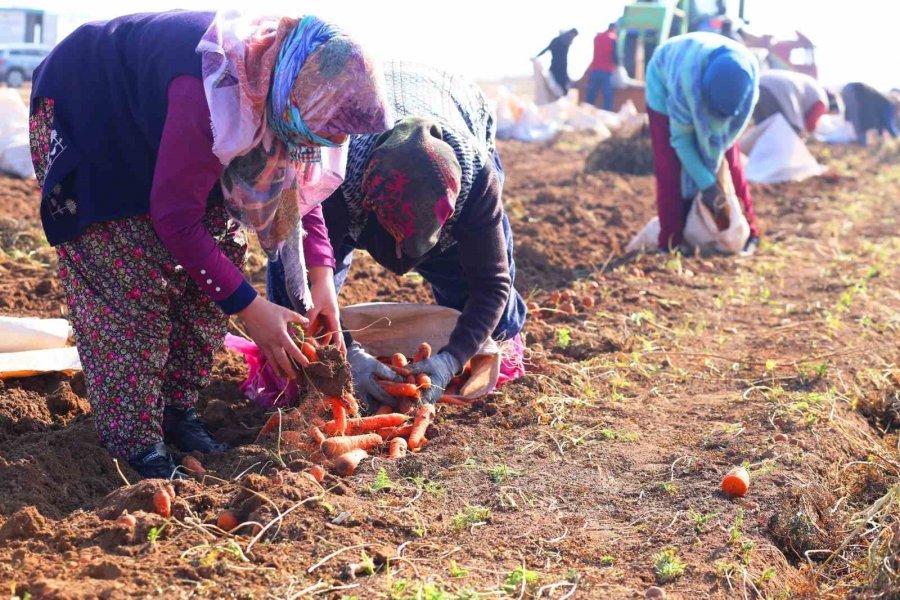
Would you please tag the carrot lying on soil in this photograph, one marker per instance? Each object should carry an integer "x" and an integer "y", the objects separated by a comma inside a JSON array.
[
  {"x": 193, "y": 465},
  {"x": 350, "y": 403},
  {"x": 226, "y": 521},
  {"x": 398, "y": 360},
  {"x": 316, "y": 434},
  {"x": 126, "y": 520},
  {"x": 423, "y": 381},
  {"x": 162, "y": 504},
  {"x": 342, "y": 444},
  {"x": 367, "y": 424},
  {"x": 398, "y": 448},
  {"x": 454, "y": 401},
  {"x": 423, "y": 352},
  {"x": 271, "y": 425},
  {"x": 346, "y": 463},
  {"x": 736, "y": 482},
  {"x": 317, "y": 472},
  {"x": 400, "y": 390},
  {"x": 170, "y": 491},
  {"x": 424, "y": 415},
  {"x": 389, "y": 433},
  {"x": 340, "y": 416}
]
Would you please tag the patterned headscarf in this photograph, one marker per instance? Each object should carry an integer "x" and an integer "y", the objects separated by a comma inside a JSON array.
[
  {"x": 278, "y": 90},
  {"x": 411, "y": 183}
]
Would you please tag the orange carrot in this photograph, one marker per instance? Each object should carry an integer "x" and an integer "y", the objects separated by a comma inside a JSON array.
[
  {"x": 316, "y": 434},
  {"x": 398, "y": 360},
  {"x": 340, "y": 416},
  {"x": 554, "y": 297},
  {"x": 400, "y": 390},
  {"x": 401, "y": 371},
  {"x": 170, "y": 491},
  {"x": 736, "y": 482},
  {"x": 309, "y": 351},
  {"x": 366, "y": 424},
  {"x": 423, "y": 381},
  {"x": 384, "y": 409},
  {"x": 126, "y": 520},
  {"x": 588, "y": 301},
  {"x": 424, "y": 415},
  {"x": 271, "y": 425},
  {"x": 345, "y": 443},
  {"x": 350, "y": 403},
  {"x": 162, "y": 503},
  {"x": 193, "y": 465},
  {"x": 226, "y": 520},
  {"x": 317, "y": 472},
  {"x": 389, "y": 433},
  {"x": 423, "y": 352},
  {"x": 398, "y": 448},
  {"x": 346, "y": 463},
  {"x": 567, "y": 307},
  {"x": 566, "y": 296},
  {"x": 317, "y": 458},
  {"x": 454, "y": 401}
]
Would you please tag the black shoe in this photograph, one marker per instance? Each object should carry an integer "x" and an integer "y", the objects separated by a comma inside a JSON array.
[
  {"x": 154, "y": 462},
  {"x": 751, "y": 246},
  {"x": 187, "y": 432}
]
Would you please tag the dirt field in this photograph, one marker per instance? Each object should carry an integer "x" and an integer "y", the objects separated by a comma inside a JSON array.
[{"x": 596, "y": 476}]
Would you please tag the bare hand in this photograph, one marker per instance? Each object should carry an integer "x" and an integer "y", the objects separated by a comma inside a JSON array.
[
  {"x": 325, "y": 307},
  {"x": 267, "y": 324}
]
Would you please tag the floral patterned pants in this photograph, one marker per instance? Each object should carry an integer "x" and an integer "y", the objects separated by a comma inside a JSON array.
[{"x": 146, "y": 333}]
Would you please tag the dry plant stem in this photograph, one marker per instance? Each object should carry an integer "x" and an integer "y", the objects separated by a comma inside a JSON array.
[
  {"x": 119, "y": 471},
  {"x": 333, "y": 554}
]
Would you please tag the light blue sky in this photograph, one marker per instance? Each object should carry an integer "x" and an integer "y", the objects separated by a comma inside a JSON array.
[{"x": 490, "y": 39}]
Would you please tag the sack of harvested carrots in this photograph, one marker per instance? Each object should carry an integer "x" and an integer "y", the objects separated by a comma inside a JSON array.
[{"x": 388, "y": 328}]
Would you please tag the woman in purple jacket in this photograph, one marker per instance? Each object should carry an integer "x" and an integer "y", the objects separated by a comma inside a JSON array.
[{"x": 154, "y": 138}]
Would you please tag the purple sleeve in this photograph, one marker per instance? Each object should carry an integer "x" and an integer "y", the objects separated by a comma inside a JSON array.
[
  {"x": 317, "y": 250},
  {"x": 186, "y": 171}
]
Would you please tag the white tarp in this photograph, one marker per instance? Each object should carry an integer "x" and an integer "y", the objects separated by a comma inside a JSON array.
[
  {"x": 834, "y": 129},
  {"x": 32, "y": 346},
  {"x": 15, "y": 149},
  {"x": 776, "y": 153}
]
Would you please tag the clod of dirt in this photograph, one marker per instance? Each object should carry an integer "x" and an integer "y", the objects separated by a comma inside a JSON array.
[
  {"x": 655, "y": 592},
  {"x": 626, "y": 155},
  {"x": 103, "y": 570},
  {"x": 331, "y": 374},
  {"x": 27, "y": 523},
  {"x": 216, "y": 414},
  {"x": 285, "y": 487},
  {"x": 64, "y": 401},
  {"x": 139, "y": 497},
  {"x": 46, "y": 286},
  {"x": 806, "y": 523}
]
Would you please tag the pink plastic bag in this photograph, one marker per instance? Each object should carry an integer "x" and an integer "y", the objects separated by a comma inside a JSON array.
[
  {"x": 262, "y": 386},
  {"x": 512, "y": 355}
]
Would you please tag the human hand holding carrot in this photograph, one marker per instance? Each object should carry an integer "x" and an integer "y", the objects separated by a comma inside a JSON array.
[{"x": 267, "y": 325}]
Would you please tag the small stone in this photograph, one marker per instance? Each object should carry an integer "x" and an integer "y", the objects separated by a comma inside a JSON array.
[
  {"x": 781, "y": 438},
  {"x": 104, "y": 570},
  {"x": 490, "y": 409},
  {"x": 655, "y": 592}
]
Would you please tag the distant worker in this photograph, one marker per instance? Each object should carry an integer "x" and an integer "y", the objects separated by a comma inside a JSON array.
[
  {"x": 601, "y": 69},
  {"x": 701, "y": 90},
  {"x": 867, "y": 108},
  {"x": 559, "y": 58},
  {"x": 796, "y": 96}
]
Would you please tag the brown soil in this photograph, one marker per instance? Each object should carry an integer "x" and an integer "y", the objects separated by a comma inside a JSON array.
[{"x": 607, "y": 454}]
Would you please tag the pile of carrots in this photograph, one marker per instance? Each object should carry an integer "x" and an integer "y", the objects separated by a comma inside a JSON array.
[{"x": 342, "y": 442}]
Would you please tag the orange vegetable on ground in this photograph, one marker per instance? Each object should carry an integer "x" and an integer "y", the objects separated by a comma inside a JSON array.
[
  {"x": 162, "y": 504},
  {"x": 423, "y": 352},
  {"x": 193, "y": 465},
  {"x": 400, "y": 390},
  {"x": 316, "y": 434},
  {"x": 453, "y": 401},
  {"x": 366, "y": 424},
  {"x": 346, "y": 463},
  {"x": 226, "y": 521},
  {"x": 170, "y": 491},
  {"x": 424, "y": 416},
  {"x": 126, "y": 520},
  {"x": 398, "y": 448},
  {"x": 342, "y": 444},
  {"x": 317, "y": 472},
  {"x": 340, "y": 416},
  {"x": 389, "y": 433},
  {"x": 736, "y": 482}
]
